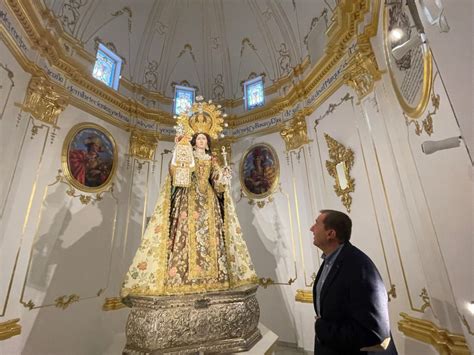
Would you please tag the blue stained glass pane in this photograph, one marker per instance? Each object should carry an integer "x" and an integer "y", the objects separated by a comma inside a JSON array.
[
  {"x": 104, "y": 68},
  {"x": 255, "y": 95},
  {"x": 183, "y": 100}
]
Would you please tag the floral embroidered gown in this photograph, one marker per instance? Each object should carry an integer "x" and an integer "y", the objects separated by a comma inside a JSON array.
[{"x": 193, "y": 242}]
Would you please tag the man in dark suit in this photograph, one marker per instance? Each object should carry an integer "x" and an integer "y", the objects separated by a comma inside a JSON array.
[{"x": 349, "y": 296}]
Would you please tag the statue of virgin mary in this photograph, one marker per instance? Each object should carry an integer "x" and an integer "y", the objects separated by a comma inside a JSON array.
[{"x": 193, "y": 242}]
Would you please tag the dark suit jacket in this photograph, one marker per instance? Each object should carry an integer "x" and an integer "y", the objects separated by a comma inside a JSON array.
[{"x": 354, "y": 306}]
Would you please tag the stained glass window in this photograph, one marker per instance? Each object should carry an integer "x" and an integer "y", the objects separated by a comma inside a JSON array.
[
  {"x": 107, "y": 67},
  {"x": 183, "y": 99},
  {"x": 254, "y": 94}
]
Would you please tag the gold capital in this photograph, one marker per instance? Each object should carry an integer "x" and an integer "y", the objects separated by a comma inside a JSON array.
[
  {"x": 44, "y": 100},
  {"x": 362, "y": 71},
  {"x": 295, "y": 133},
  {"x": 142, "y": 145}
]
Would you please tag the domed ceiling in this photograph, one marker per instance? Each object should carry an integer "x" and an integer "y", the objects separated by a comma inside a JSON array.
[{"x": 211, "y": 45}]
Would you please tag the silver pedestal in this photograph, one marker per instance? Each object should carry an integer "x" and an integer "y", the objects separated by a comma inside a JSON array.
[{"x": 212, "y": 322}]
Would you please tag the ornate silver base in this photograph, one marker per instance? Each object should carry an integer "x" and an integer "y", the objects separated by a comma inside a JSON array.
[{"x": 212, "y": 322}]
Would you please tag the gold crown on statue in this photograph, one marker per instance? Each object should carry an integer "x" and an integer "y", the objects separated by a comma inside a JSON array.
[{"x": 202, "y": 117}]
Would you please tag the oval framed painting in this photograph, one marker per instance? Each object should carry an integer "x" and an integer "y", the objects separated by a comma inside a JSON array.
[
  {"x": 89, "y": 157},
  {"x": 259, "y": 171}
]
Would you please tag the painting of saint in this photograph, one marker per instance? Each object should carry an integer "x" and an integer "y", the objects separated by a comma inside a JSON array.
[
  {"x": 89, "y": 157},
  {"x": 259, "y": 171}
]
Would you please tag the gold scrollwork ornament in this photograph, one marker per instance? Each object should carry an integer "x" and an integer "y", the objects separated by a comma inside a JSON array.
[
  {"x": 339, "y": 167},
  {"x": 64, "y": 302},
  {"x": 268, "y": 281},
  {"x": 426, "y": 299},
  {"x": 426, "y": 124}
]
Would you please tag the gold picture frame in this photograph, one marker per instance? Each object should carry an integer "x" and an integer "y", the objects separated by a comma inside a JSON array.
[
  {"x": 265, "y": 178},
  {"x": 399, "y": 17},
  {"x": 89, "y": 157},
  {"x": 339, "y": 167}
]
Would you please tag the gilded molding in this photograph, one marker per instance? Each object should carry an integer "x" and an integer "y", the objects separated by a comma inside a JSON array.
[
  {"x": 295, "y": 133},
  {"x": 44, "y": 101},
  {"x": 10, "y": 328},
  {"x": 113, "y": 304},
  {"x": 345, "y": 156},
  {"x": 139, "y": 89},
  {"x": 443, "y": 341},
  {"x": 304, "y": 296},
  {"x": 362, "y": 71},
  {"x": 47, "y": 44},
  {"x": 23, "y": 61},
  {"x": 347, "y": 17},
  {"x": 142, "y": 146}
]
